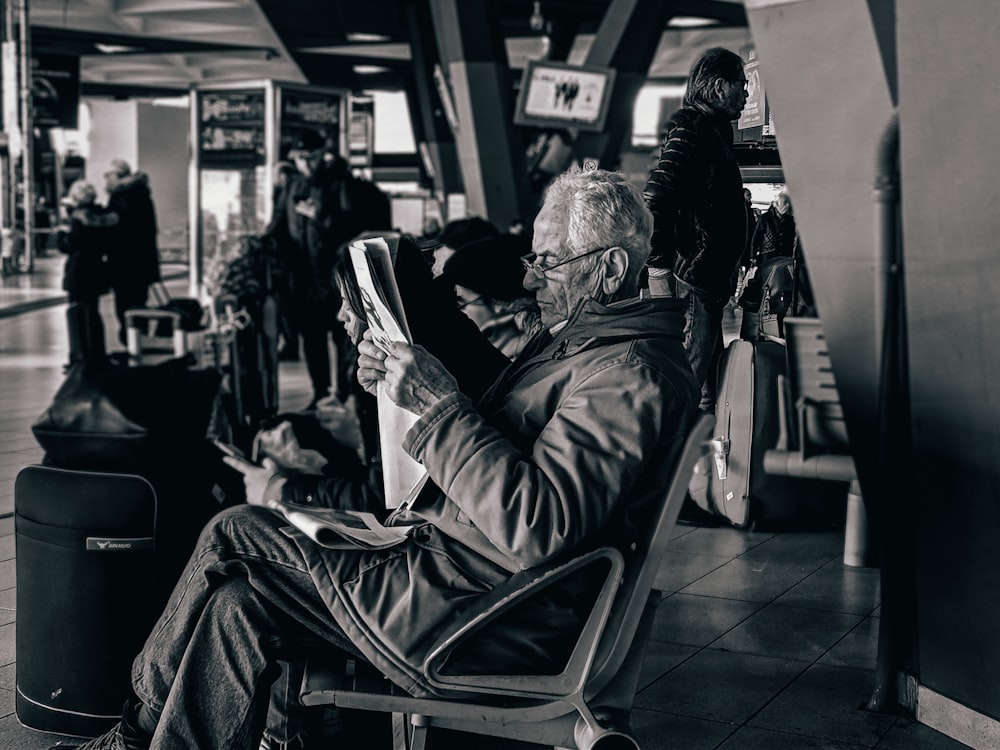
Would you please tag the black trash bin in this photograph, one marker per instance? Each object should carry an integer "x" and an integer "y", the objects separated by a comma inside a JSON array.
[{"x": 86, "y": 599}]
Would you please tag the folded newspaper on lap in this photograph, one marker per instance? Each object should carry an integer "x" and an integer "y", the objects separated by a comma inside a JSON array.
[
  {"x": 340, "y": 529},
  {"x": 372, "y": 260}
]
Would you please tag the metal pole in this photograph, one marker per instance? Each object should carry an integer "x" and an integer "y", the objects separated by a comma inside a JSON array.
[
  {"x": 28, "y": 131},
  {"x": 11, "y": 125}
]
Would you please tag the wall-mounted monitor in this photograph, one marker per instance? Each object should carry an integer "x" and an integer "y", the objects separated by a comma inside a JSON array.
[{"x": 557, "y": 95}]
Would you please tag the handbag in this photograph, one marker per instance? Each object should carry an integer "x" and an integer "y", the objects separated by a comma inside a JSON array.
[
  {"x": 191, "y": 310},
  {"x": 117, "y": 418}
]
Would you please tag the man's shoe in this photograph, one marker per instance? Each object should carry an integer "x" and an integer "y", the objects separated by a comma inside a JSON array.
[
  {"x": 113, "y": 739},
  {"x": 125, "y": 735}
]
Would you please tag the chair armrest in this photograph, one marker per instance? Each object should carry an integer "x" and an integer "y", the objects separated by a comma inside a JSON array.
[{"x": 506, "y": 597}]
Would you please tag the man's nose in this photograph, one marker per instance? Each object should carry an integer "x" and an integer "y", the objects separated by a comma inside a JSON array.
[{"x": 531, "y": 281}]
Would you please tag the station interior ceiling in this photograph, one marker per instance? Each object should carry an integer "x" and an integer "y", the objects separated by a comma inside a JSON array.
[{"x": 155, "y": 47}]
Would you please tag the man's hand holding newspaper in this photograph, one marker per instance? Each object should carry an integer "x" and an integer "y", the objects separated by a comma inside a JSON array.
[{"x": 414, "y": 379}]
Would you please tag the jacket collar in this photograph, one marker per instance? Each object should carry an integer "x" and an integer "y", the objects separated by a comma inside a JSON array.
[{"x": 592, "y": 321}]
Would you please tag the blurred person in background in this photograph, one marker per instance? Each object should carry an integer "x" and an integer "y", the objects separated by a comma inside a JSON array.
[
  {"x": 87, "y": 237},
  {"x": 487, "y": 277},
  {"x": 289, "y": 351},
  {"x": 135, "y": 263},
  {"x": 322, "y": 207}
]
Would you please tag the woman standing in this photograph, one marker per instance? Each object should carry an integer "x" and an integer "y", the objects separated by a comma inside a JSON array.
[{"x": 87, "y": 237}]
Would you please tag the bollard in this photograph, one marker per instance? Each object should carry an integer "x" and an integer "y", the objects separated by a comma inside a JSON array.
[{"x": 859, "y": 551}]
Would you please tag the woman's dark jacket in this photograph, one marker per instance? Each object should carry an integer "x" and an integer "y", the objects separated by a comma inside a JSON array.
[
  {"x": 695, "y": 193},
  {"x": 89, "y": 240}
]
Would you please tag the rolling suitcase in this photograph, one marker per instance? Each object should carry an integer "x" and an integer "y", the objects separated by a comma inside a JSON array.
[
  {"x": 731, "y": 481},
  {"x": 86, "y": 599}
]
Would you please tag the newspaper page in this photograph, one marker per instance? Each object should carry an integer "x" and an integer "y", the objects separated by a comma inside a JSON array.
[
  {"x": 338, "y": 529},
  {"x": 372, "y": 263}
]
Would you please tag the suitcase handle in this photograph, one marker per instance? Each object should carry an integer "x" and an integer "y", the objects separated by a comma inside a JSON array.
[{"x": 720, "y": 452}]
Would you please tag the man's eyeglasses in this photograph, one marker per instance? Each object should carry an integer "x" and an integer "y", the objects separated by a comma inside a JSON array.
[
  {"x": 464, "y": 303},
  {"x": 529, "y": 263}
]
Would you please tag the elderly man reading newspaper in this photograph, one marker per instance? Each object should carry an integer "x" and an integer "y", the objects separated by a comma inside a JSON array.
[{"x": 565, "y": 452}]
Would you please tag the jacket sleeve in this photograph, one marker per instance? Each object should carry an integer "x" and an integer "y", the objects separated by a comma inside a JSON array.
[
  {"x": 672, "y": 187},
  {"x": 534, "y": 503},
  {"x": 360, "y": 489}
]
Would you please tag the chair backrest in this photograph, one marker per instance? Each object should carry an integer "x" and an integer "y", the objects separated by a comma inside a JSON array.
[
  {"x": 810, "y": 378},
  {"x": 639, "y": 578}
]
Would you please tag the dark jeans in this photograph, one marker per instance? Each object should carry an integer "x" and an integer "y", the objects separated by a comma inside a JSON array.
[
  {"x": 316, "y": 329},
  {"x": 702, "y": 337},
  {"x": 86, "y": 331},
  {"x": 244, "y": 601}
]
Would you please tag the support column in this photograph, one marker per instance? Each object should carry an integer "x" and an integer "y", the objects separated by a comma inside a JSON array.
[
  {"x": 626, "y": 41},
  {"x": 491, "y": 156},
  {"x": 430, "y": 126}
]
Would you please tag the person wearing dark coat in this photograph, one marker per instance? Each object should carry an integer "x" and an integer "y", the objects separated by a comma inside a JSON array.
[
  {"x": 87, "y": 240},
  {"x": 322, "y": 207},
  {"x": 700, "y": 216},
  {"x": 135, "y": 264},
  {"x": 775, "y": 232}
]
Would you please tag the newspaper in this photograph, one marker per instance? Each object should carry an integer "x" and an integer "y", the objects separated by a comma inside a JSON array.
[
  {"x": 372, "y": 260},
  {"x": 338, "y": 529}
]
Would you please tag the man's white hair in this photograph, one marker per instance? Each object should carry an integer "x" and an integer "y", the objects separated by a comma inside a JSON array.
[{"x": 602, "y": 209}]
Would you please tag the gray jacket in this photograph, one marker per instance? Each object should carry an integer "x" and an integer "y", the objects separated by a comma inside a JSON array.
[{"x": 565, "y": 453}]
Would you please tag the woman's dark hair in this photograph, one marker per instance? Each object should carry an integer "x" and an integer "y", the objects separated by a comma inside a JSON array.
[
  {"x": 421, "y": 298},
  {"x": 491, "y": 267}
]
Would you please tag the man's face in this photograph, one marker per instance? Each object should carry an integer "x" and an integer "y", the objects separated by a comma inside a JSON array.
[
  {"x": 307, "y": 162},
  {"x": 558, "y": 291},
  {"x": 733, "y": 96}
]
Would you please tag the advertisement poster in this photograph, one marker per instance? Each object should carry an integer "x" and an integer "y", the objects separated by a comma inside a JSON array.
[
  {"x": 302, "y": 110},
  {"x": 565, "y": 94},
  {"x": 55, "y": 91},
  {"x": 232, "y": 128},
  {"x": 558, "y": 95},
  {"x": 754, "y": 112}
]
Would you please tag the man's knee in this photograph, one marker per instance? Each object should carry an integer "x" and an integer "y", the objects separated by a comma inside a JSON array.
[{"x": 235, "y": 523}]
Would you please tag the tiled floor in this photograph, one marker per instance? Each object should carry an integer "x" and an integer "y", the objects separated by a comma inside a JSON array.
[{"x": 763, "y": 641}]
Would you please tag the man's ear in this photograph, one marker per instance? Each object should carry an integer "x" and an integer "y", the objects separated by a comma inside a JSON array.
[
  {"x": 614, "y": 270},
  {"x": 719, "y": 89}
]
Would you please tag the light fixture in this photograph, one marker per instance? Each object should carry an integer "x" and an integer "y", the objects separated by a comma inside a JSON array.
[
  {"x": 364, "y": 36},
  {"x": 115, "y": 49},
  {"x": 536, "y": 21},
  {"x": 367, "y": 70},
  {"x": 691, "y": 22}
]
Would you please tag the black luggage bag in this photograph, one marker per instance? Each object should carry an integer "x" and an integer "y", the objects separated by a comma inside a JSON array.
[
  {"x": 86, "y": 594},
  {"x": 103, "y": 529}
]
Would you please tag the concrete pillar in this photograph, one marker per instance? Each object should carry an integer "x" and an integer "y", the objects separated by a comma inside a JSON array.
[
  {"x": 826, "y": 82},
  {"x": 491, "y": 156},
  {"x": 626, "y": 41},
  {"x": 430, "y": 126}
]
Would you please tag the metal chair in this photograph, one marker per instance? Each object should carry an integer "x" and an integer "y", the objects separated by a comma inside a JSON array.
[
  {"x": 813, "y": 441},
  {"x": 587, "y": 705}
]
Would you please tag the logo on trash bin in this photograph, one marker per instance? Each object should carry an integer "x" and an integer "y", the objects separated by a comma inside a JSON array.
[{"x": 118, "y": 544}]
